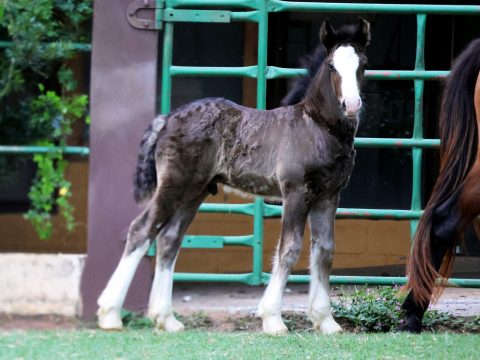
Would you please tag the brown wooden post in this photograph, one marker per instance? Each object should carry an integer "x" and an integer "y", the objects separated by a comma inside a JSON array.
[{"x": 123, "y": 98}]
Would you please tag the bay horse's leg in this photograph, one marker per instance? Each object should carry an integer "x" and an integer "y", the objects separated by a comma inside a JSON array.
[
  {"x": 322, "y": 220},
  {"x": 450, "y": 220},
  {"x": 413, "y": 311},
  {"x": 113, "y": 296},
  {"x": 168, "y": 244},
  {"x": 287, "y": 253}
]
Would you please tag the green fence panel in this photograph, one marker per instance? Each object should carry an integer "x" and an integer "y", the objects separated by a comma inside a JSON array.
[{"x": 257, "y": 11}]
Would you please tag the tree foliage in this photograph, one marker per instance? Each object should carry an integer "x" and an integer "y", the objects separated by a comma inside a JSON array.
[{"x": 38, "y": 103}]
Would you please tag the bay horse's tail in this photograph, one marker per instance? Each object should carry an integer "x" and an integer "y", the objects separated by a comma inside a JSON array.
[
  {"x": 458, "y": 151},
  {"x": 145, "y": 177}
]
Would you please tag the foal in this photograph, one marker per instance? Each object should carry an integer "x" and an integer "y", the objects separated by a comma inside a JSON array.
[{"x": 302, "y": 154}]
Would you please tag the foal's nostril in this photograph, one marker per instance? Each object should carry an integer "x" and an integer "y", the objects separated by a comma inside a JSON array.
[{"x": 344, "y": 105}]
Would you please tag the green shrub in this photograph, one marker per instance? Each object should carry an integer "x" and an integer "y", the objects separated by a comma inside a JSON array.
[
  {"x": 37, "y": 100},
  {"x": 370, "y": 309},
  {"x": 378, "y": 309}
]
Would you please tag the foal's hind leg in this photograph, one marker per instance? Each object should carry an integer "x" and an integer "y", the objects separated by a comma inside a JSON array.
[
  {"x": 287, "y": 254},
  {"x": 113, "y": 296},
  {"x": 168, "y": 245},
  {"x": 322, "y": 219}
]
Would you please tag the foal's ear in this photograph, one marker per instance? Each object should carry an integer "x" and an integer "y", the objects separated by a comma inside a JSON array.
[
  {"x": 328, "y": 35},
  {"x": 362, "y": 37}
]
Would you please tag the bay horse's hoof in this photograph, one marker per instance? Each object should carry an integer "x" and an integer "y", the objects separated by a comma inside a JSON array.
[{"x": 411, "y": 325}]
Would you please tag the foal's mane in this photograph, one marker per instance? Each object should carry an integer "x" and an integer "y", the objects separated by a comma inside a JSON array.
[
  {"x": 314, "y": 60},
  {"x": 299, "y": 86}
]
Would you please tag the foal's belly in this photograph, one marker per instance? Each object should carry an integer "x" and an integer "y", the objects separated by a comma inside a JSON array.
[{"x": 254, "y": 184}]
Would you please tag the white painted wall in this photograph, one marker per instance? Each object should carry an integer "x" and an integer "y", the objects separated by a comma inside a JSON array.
[{"x": 33, "y": 284}]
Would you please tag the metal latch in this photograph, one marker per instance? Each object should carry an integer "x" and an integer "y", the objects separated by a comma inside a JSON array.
[{"x": 168, "y": 15}]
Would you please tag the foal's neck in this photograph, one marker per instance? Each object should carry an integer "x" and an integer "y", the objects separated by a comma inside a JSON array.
[{"x": 321, "y": 104}]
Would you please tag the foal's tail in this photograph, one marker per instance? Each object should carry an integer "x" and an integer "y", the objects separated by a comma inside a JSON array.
[
  {"x": 145, "y": 178},
  {"x": 459, "y": 142}
]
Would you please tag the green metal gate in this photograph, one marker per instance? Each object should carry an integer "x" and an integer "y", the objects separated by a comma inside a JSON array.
[
  {"x": 170, "y": 11},
  {"x": 167, "y": 12}
]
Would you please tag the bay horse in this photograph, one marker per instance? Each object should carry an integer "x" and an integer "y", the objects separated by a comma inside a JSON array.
[
  {"x": 455, "y": 199},
  {"x": 302, "y": 154}
]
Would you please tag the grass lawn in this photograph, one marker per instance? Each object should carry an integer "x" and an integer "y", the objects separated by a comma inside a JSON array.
[{"x": 197, "y": 344}]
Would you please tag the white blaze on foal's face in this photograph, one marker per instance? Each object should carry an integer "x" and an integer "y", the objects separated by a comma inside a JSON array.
[{"x": 346, "y": 62}]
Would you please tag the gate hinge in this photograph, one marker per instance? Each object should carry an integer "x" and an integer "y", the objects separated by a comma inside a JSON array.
[
  {"x": 167, "y": 15},
  {"x": 147, "y": 24}
]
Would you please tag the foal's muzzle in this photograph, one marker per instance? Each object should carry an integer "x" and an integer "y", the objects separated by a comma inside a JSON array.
[{"x": 352, "y": 106}]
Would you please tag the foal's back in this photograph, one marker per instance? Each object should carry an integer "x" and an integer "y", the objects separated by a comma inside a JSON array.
[{"x": 218, "y": 139}]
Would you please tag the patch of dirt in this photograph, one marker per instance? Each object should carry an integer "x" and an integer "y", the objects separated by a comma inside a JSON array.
[
  {"x": 213, "y": 321},
  {"x": 39, "y": 322},
  {"x": 224, "y": 322}
]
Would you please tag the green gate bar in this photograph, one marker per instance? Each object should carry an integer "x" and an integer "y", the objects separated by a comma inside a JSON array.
[
  {"x": 416, "y": 203},
  {"x": 279, "y": 5},
  {"x": 275, "y": 72},
  {"x": 72, "y": 46},
  {"x": 26, "y": 149}
]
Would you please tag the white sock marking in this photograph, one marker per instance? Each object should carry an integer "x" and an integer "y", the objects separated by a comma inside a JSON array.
[
  {"x": 319, "y": 299},
  {"x": 160, "y": 303},
  {"x": 161, "y": 294},
  {"x": 270, "y": 305},
  {"x": 113, "y": 296},
  {"x": 116, "y": 290}
]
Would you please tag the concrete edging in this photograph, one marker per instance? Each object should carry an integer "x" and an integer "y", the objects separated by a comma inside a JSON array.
[{"x": 35, "y": 284}]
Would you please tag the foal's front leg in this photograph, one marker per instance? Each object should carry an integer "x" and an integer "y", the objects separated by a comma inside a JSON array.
[
  {"x": 287, "y": 254},
  {"x": 322, "y": 219}
]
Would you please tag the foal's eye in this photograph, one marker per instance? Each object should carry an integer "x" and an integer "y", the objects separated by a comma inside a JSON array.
[{"x": 331, "y": 67}]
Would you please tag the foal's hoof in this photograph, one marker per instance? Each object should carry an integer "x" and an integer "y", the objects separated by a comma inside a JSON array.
[
  {"x": 274, "y": 325},
  {"x": 109, "y": 319},
  {"x": 328, "y": 327},
  {"x": 168, "y": 324}
]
